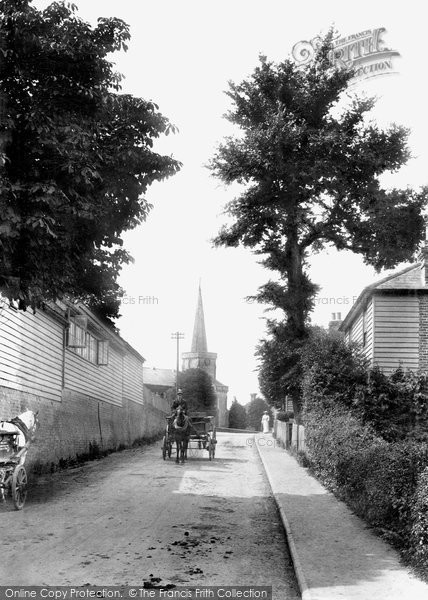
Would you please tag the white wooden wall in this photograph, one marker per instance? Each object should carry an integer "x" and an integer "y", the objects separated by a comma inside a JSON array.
[
  {"x": 33, "y": 360},
  {"x": 364, "y": 323},
  {"x": 396, "y": 321},
  {"x": 31, "y": 353},
  {"x": 356, "y": 330},
  {"x": 102, "y": 382},
  {"x": 133, "y": 379},
  {"x": 368, "y": 348}
]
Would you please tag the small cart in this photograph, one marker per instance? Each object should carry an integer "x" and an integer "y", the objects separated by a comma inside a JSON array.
[
  {"x": 13, "y": 476},
  {"x": 203, "y": 433}
]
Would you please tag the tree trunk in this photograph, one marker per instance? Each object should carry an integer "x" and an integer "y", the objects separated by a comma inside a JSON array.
[{"x": 296, "y": 317}]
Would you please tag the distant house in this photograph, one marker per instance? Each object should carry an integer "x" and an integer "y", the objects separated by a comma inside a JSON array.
[
  {"x": 390, "y": 319},
  {"x": 82, "y": 376}
]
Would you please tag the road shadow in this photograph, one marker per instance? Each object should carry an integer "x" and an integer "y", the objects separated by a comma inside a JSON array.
[{"x": 49, "y": 487}]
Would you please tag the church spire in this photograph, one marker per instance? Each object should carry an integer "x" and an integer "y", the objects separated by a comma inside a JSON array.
[{"x": 199, "y": 340}]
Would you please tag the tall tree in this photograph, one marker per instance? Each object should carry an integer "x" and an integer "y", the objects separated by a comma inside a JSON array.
[
  {"x": 77, "y": 156},
  {"x": 280, "y": 368},
  {"x": 237, "y": 416},
  {"x": 310, "y": 172},
  {"x": 198, "y": 390},
  {"x": 255, "y": 409}
]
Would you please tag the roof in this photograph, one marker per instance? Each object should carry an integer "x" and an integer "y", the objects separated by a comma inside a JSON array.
[
  {"x": 61, "y": 310},
  {"x": 219, "y": 384},
  {"x": 158, "y": 378},
  {"x": 408, "y": 278},
  {"x": 109, "y": 331}
]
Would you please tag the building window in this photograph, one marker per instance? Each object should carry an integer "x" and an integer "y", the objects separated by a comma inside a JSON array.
[
  {"x": 84, "y": 344},
  {"x": 76, "y": 335},
  {"x": 102, "y": 357}
]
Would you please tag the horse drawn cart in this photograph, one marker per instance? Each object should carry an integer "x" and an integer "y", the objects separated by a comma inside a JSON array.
[
  {"x": 15, "y": 438},
  {"x": 13, "y": 475},
  {"x": 201, "y": 435}
]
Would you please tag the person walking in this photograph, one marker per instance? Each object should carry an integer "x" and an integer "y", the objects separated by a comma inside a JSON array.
[{"x": 265, "y": 422}]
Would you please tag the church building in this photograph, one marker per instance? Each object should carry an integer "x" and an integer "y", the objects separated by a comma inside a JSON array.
[{"x": 200, "y": 358}]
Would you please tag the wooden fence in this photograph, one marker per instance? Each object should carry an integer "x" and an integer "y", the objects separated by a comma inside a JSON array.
[{"x": 290, "y": 435}]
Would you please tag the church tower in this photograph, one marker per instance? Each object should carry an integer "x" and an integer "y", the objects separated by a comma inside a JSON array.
[{"x": 200, "y": 358}]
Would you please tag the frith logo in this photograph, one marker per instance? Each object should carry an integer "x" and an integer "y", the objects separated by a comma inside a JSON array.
[{"x": 363, "y": 52}]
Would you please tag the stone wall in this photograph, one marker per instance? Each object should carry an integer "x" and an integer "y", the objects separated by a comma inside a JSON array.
[
  {"x": 159, "y": 401},
  {"x": 78, "y": 423}
]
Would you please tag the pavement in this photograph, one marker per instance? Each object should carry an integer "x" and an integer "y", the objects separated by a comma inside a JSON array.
[{"x": 335, "y": 555}]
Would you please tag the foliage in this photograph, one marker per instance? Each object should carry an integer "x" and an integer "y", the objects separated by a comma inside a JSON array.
[
  {"x": 284, "y": 416},
  {"x": 336, "y": 374},
  {"x": 332, "y": 369},
  {"x": 237, "y": 415},
  {"x": 322, "y": 361},
  {"x": 384, "y": 483},
  {"x": 77, "y": 156},
  {"x": 379, "y": 482},
  {"x": 280, "y": 372},
  {"x": 396, "y": 405},
  {"x": 332, "y": 435},
  {"x": 198, "y": 390},
  {"x": 255, "y": 409},
  {"x": 365, "y": 436},
  {"x": 419, "y": 518},
  {"x": 309, "y": 164}
]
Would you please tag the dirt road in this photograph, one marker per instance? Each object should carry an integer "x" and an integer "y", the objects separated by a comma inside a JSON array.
[{"x": 132, "y": 516}]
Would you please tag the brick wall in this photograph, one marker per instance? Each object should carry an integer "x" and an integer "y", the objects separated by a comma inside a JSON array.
[
  {"x": 423, "y": 333},
  {"x": 68, "y": 428}
]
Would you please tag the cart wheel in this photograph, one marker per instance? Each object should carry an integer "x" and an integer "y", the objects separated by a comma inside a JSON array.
[
  {"x": 19, "y": 487},
  {"x": 164, "y": 448}
]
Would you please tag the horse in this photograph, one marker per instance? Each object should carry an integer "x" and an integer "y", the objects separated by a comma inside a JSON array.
[
  {"x": 181, "y": 433},
  {"x": 25, "y": 425}
]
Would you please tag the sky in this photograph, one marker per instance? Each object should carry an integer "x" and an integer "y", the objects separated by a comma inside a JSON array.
[{"x": 181, "y": 55}]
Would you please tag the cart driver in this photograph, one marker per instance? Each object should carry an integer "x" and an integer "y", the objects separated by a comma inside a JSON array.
[{"x": 179, "y": 401}]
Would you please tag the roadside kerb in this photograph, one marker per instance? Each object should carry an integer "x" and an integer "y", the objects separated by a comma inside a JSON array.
[
  {"x": 336, "y": 556},
  {"x": 300, "y": 575}
]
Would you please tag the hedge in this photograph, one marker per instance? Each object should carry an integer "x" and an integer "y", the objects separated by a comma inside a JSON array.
[
  {"x": 384, "y": 483},
  {"x": 419, "y": 531},
  {"x": 366, "y": 436},
  {"x": 333, "y": 436}
]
